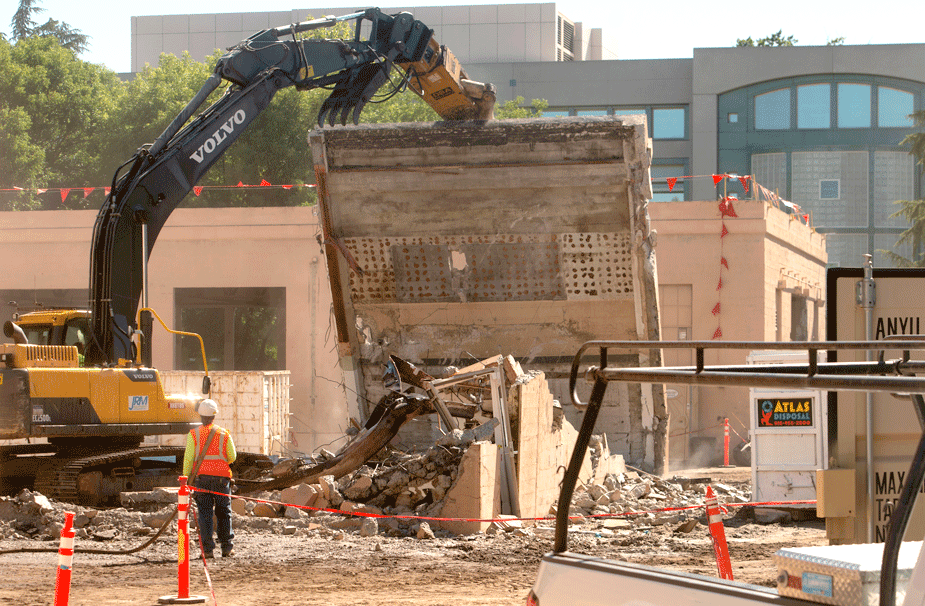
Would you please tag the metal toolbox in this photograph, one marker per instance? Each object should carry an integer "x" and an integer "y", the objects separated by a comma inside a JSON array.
[{"x": 846, "y": 575}]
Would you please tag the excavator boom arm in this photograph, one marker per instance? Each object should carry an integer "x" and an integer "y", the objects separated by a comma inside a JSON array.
[{"x": 150, "y": 185}]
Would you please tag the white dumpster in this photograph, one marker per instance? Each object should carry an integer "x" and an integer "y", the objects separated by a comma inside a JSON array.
[{"x": 788, "y": 437}]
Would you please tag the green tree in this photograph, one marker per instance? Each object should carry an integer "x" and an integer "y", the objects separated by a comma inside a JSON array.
[
  {"x": 912, "y": 211},
  {"x": 21, "y": 159},
  {"x": 514, "y": 108},
  {"x": 57, "y": 105},
  {"x": 775, "y": 39},
  {"x": 24, "y": 26}
]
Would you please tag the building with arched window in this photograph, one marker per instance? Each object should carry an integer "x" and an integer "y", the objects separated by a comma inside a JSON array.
[{"x": 820, "y": 126}]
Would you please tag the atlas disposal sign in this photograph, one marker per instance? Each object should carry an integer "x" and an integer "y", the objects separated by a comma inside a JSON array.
[
  {"x": 898, "y": 309},
  {"x": 788, "y": 436}
]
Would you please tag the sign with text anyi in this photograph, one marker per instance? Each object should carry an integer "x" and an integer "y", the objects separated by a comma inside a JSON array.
[
  {"x": 790, "y": 412},
  {"x": 898, "y": 309}
]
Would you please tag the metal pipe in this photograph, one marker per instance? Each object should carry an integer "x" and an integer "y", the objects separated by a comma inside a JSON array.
[{"x": 867, "y": 302}]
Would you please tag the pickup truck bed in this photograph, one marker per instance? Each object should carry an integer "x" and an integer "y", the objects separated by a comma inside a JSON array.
[{"x": 571, "y": 579}]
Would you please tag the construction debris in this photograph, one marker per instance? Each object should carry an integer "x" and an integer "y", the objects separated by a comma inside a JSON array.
[{"x": 470, "y": 473}]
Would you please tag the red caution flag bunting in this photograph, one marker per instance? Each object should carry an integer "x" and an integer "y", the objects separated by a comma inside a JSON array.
[
  {"x": 720, "y": 285},
  {"x": 717, "y": 179},
  {"x": 87, "y": 191},
  {"x": 106, "y": 190},
  {"x": 671, "y": 183},
  {"x": 718, "y": 334},
  {"x": 726, "y": 209},
  {"x": 286, "y": 186},
  {"x": 724, "y": 232},
  {"x": 41, "y": 191},
  {"x": 744, "y": 181},
  {"x": 64, "y": 193},
  {"x": 716, "y": 309},
  {"x": 240, "y": 184},
  {"x": 724, "y": 262},
  {"x": 197, "y": 189},
  {"x": 265, "y": 183},
  {"x": 806, "y": 219}
]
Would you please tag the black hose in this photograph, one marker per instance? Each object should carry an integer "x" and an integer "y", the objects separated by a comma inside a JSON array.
[
  {"x": 574, "y": 466},
  {"x": 100, "y": 551},
  {"x": 899, "y": 518}
]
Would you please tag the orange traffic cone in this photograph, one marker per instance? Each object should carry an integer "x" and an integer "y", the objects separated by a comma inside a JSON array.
[
  {"x": 718, "y": 534},
  {"x": 65, "y": 561}
]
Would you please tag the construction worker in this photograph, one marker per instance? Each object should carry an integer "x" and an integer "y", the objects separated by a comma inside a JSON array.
[{"x": 212, "y": 448}]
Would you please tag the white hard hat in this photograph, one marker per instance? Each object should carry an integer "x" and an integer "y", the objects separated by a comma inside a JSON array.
[{"x": 207, "y": 408}]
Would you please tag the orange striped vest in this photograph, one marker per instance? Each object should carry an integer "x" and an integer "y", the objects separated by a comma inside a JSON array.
[{"x": 214, "y": 463}]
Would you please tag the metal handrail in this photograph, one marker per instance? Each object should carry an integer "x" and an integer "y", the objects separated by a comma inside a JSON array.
[{"x": 880, "y": 375}]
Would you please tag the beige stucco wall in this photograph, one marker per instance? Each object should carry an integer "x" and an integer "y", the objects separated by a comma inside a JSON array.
[
  {"x": 211, "y": 248},
  {"x": 770, "y": 255}
]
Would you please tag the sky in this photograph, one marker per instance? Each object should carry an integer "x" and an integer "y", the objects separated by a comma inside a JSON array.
[{"x": 665, "y": 30}]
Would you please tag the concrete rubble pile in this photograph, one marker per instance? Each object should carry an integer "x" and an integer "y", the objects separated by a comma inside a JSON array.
[
  {"x": 637, "y": 500},
  {"x": 426, "y": 482},
  {"x": 402, "y": 484}
]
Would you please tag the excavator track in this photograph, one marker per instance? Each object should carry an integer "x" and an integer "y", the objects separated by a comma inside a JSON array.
[{"x": 61, "y": 481}]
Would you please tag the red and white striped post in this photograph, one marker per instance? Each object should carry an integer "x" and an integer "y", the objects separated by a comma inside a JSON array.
[
  {"x": 183, "y": 596},
  {"x": 726, "y": 443},
  {"x": 718, "y": 534},
  {"x": 65, "y": 561}
]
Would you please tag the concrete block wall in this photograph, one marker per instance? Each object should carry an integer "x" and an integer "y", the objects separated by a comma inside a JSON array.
[
  {"x": 544, "y": 441},
  {"x": 476, "y": 495}
]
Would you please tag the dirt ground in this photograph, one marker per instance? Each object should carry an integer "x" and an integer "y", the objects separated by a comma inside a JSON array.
[{"x": 340, "y": 568}]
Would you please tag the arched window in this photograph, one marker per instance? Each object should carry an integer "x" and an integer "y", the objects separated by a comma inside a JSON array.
[
  {"x": 772, "y": 110},
  {"x": 894, "y": 107}
]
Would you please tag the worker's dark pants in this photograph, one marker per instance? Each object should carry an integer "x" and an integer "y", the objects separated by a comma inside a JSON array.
[{"x": 220, "y": 504}]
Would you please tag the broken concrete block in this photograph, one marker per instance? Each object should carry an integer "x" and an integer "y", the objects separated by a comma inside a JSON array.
[
  {"x": 369, "y": 528},
  {"x": 640, "y": 491},
  {"x": 105, "y": 535},
  {"x": 360, "y": 488},
  {"x": 346, "y": 523},
  {"x": 330, "y": 491},
  {"x": 662, "y": 519},
  {"x": 585, "y": 502},
  {"x": 617, "y": 524},
  {"x": 454, "y": 438},
  {"x": 294, "y": 513},
  {"x": 351, "y": 507},
  {"x": 285, "y": 467},
  {"x": 300, "y": 496},
  {"x": 424, "y": 531},
  {"x": 481, "y": 433},
  {"x": 687, "y": 526},
  {"x": 266, "y": 510},
  {"x": 512, "y": 369},
  {"x": 596, "y": 491},
  {"x": 239, "y": 507}
]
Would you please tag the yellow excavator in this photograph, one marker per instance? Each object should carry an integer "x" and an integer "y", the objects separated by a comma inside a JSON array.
[{"x": 83, "y": 380}]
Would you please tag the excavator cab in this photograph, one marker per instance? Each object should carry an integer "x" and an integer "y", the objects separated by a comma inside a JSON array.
[{"x": 55, "y": 327}]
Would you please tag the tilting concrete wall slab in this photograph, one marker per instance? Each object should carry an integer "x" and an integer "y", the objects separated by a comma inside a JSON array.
[{"x": 449, "y": 243}]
